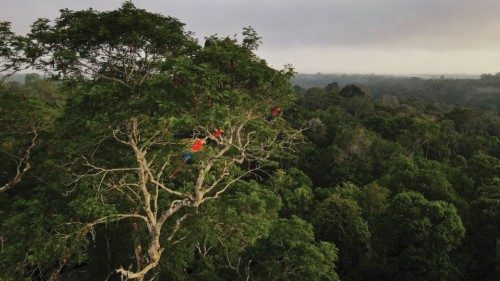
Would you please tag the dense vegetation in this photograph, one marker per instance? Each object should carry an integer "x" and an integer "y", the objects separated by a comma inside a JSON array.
[
  {"x": 340, "y": 186},
  {"x": 482, "y": 92}
]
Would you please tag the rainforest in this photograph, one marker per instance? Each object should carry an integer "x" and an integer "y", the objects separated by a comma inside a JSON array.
[{"x": 130, "y": 150}]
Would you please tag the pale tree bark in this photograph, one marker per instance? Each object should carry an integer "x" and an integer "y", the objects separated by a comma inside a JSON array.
[
  {"x": 23, "y": 164},
  {"x": 237, "y": 147}
]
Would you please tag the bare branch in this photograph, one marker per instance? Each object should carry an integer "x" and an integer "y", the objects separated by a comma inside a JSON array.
[
  {"x": 214, "y": 177},
  {"x": 23, "y": 165}
]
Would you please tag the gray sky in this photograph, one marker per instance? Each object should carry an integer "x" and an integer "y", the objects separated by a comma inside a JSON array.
[{"x": 346, "y": 36}]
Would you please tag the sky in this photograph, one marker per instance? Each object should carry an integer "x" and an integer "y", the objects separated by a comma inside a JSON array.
[{"x": 329, "y": 36}]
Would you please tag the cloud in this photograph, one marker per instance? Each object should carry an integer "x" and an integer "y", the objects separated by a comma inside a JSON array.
[
  {"x": 438, "y": 24},
  {"x": 383, "y": 61},
  {"x": 411, "y": 28}
]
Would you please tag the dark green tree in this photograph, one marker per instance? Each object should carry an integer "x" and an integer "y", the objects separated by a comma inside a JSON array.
[
  {"x": 13, "y": 52},
  {"x": 415, "y": 237},
  {"x": 295, "y": 191},
  {"x": 291, "y": 253},
  {"x": 339, "y": 220}
]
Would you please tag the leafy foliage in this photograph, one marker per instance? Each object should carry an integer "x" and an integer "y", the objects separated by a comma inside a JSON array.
[{"x": 379, "y": 185}]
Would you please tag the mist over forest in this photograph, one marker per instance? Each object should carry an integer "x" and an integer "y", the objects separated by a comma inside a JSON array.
[{"x": 481, "y": 92}]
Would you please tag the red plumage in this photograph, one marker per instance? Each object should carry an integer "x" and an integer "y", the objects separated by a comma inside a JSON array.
[
  {"x": 197, "y": 145},
  {"x": 218, "y": 133},
  {"x": 275, "y": 111}
]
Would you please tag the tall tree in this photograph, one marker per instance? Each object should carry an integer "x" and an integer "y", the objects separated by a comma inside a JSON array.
[
  {"x": 14, "y": 54},
  {"x": 142, "y": 92}
]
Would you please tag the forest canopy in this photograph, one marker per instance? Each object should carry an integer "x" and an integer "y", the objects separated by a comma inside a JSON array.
[
  {"x": 136, "y": 152},
  {"x": 480, "y": 92}
]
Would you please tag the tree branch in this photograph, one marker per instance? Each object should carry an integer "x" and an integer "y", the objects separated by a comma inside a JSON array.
[{"x": 23, "y": 165}]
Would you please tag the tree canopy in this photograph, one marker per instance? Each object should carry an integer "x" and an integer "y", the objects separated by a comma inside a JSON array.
[{"x": 138, "y": 153}]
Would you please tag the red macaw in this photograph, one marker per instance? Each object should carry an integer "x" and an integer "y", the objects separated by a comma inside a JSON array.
[
  {"x": 197, "y": 145},
  {"x": 218, "y": 133},
  {"x": 275, "y": 111}
]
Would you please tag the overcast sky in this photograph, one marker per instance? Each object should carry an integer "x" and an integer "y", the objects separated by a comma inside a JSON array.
[{"x": 343, "y": 36}]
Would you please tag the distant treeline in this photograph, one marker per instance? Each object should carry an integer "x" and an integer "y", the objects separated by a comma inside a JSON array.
[{"x": 483, "y": 93}]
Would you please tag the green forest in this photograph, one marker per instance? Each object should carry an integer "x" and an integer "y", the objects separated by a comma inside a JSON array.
[
  {"x": 132, "y": 151},
  {"x": 481, "y": 92}
]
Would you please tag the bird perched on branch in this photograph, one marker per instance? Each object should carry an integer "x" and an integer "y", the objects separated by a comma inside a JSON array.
[
  {"x": 216, "y": 136},
  {"x": 197, "y": 145},
  {"x": 188, "y": 155},
  {"x": 275, "y": 111}
]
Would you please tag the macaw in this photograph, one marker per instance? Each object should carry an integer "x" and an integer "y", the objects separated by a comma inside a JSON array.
[
  {"x": 197, "y": 145},
  {"x": 216, "y": 136},
  {"x": 218, "y": 133},
  {"x": 188, "y": 155},
  {"x": 275, "y": 111}
]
